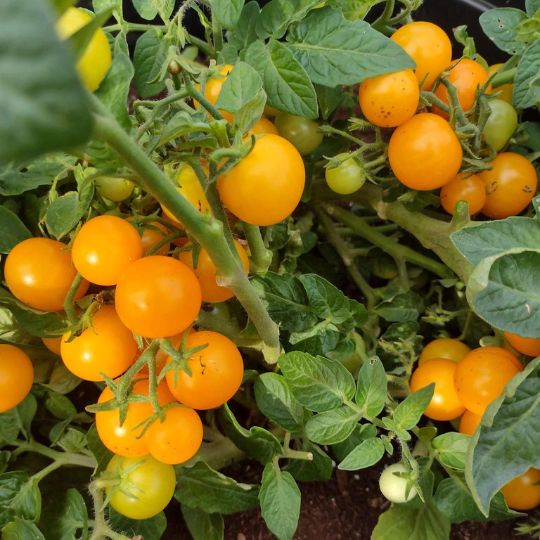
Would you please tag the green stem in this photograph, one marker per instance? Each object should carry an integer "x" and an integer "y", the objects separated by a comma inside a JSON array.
[
  {"x": 101, "y": 530},
  {"x": 64, "y": 458},
  {"x": 505, "y": 77},
  {"x": 261, "y": 257},
  {"x": 200, "y": 97},
  {"x": 69, "y": 302},
  {"x": 385, "y": 15}
]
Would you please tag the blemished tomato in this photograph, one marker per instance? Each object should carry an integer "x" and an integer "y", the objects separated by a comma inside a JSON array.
[
  {"x": 523, "y": 492},
  {"x": 146, "y": 486},
  {"x": 96, "y": 60},
  {"x": 158, "y": 297},
  {"x": 464, "y": 187},
  {"x": 526, "y": 346},
  {"x": 302, "y": 132},
  {"x": 216, "y": 372},
  {"x": 213, "y": 87},
  {"x": 424, "y": 152},
  {"x": 429, "y": 47},
  {"x": 177, "y": 438},
  {"x": 511, "y": 184},
  {"x": 114, "y": 188},
  {"x": 389, "y": 100},
  {"x": 106, "y": 346},
  {"x": 206, "y": 272},
  {"x": 500, "y": 125},
  {"x": 39, "y": 273},
  {"x": 451, "y": 349},
  {"x": 262, "y": 127},
  {"x": 482, "y": 375},
  {"x": 151, "y": 233},
  {"x": 16, "y": 376},
  {"x": 504, "y": 91},
  {"x": 394, "y": 487},
  {"x": 469, "y": 422},
  {"x": 104, "y": 247},
  {"x": 347, "y": 177},
  {"x": 266, "y": 186},
  {"x": 53, "y": 344},
  {"x": 445, "y": 403}
]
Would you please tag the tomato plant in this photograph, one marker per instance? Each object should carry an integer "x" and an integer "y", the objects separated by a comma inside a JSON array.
[{"x": 347, "y": 177}]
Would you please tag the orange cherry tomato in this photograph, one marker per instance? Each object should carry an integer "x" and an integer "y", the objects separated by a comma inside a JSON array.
[
  {"x": 263, "y": 126},
  {"x": 464, "y": 187},
  {"x": 152, "y": 233},
  {"x": 511, "y": 184},
  {"x": 213, "y": 87},
  {"x": 429, "y": 47},
  {"x": 106, "y": 346},
  {"x": 206, "y": 272},
  {"x": 482, "y": 375},
  {"x": 158, "y": 297},
  {"x": 451, "y": 349},
  {"x": 424, "y": 152},
  {"x": 39, "y": 273},
  {"x": 266, "y": 186},
  {"x": 504, "y": 91},
  {"x": 104, "y": 248},
  {"x": 445, "y": 403},
  {"x": 469, "y": 422},
  {"x": 523, "y": 492},
  {"x": 53, "y": 344},
  {"x": 526, "y": 346},
  {"x": 16, "y": 376},
  {"x": 389, "y": 100},
  {"x": 216, "y": 372}
]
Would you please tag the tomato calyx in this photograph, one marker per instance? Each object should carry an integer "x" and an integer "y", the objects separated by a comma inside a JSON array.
[{"x": 179, "y": 357}]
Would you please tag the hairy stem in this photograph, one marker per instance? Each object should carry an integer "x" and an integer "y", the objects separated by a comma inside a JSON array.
[{"x": 261, "y": 257}]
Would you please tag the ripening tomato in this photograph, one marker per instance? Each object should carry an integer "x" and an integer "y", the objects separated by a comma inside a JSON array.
[
  {"x": 104, "y": 247},
  {"x": 213, "y": 87},
  {"x": 389, "y": 100},
  {"x": 106, "y": 346},
  {"x": 96, "y": 60},
  {"x": 53, "y": 344},
  {"x": 114, "y": 188},
  {"x": 523, "y": 492},
  {"x": 216, "y": 372},
  {"x": 151, "y": 233},
  {"x": 500, "y": 125},
  {"x": 347, "y": 177},
  {"x": 451, "y": 349},
  {"x": 145, "y": 486},
  {"x": 262, "y": 127},
  {"x": 158, "y": 297},
  {"x": 469, "y": 422},
  {"x": 504, "y": 91},
  {"x": 16, "y": 376},
  {"x": 445, "y": 403},
  {"x": 206, "y": 272},
  {"x": 511, "y": 184},
  {"x": 424, "y": 152},
  {"x": 39, "y": 273},
  {"x": 266, "y": 186},
  {"x": 464, "y": 187},
  {"x": 482, "y": 375},
  {"x": 301, "y": 132},
  {"x": 395, "y": 488},
  {"x": 526, "y": 346},
  {"x": 429, "y": 47}
]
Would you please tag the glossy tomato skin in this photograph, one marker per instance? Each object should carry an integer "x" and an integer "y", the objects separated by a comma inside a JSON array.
[
  {"x": 263, "y": 126},
  {"x": 39, "y": 273},
  {"x": 151, "y": 233},
  {"x": 451, "y": 349},
  {"x": 104, "y": 247},
  {"x": 424, "y": 152},
  {"x": 213, "y": 87},
  {"x": 53, "y": 344},
  {"x": 157, "y": 297},
  {"x": 266, "y": 186},
  {"x": 114, "y": 188},
  {"x": 500, "y": 125},
  {"x": 464, "y": 187},
  {"x": 206, "y": 272},
  {"x": 429, "y": 47},
  {"x": 216, "y": 372},
  {"x": 301, "y": 132},
  {"x": 445, "y": 403},
  {"x": 106, "y": 346},
  {"x": 469, "y": 422},
  {"x": 394, "y": 487},
  {"x": 16, "y": 376},
  {"x": 511, "y": 184},
  {"x": 526, "y": 346},
  {"x": 523, "y": 492},
  {"x": 389, "y": 100},
  {"x": 504, "y": 91},
  {"x": 347, "y": 177},
  {"x": 146, "y": 486},
  {"x": 482, "y": 375}
]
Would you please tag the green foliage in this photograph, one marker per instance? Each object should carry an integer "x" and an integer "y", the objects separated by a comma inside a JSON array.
[{"x": 148, "y": 60}]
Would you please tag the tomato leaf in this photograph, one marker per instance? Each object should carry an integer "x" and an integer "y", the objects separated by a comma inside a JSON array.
[
  {"x": 354, "y": 9},
  {"x": 227, "y": 12},
  {"x": 526, "y": 92},
  {"x": 371, "y": 391},
  {"x": 63, "y": 214},
  {"x": 60, "y": 406},
  {"x": 360, "y": 433},
  {"x": 147, "y": 9},
  {"x": 35, "y": 174},
  {"x": 21, "y": 529},
  {"x": 17, "y": 420},
  {"x": 61, "y": 380},
  {"x": 331, "y": 427},
  {"x": 68, "y": 516},
  {"x": 13, "y": 230},
  {"x": 153, "y": 527},
  {"x": 451, "y": 449},
  {"x": 149, "y": 58},
  {"x": 408, "y": 412},
  {"x": 276, "y": 16},
  {"x": 500, "y": 26},
  {"x": 320, "y": 469},
  {"x": 532, "y": 6},
  {"x": 241, "y": 86},
  {"x": 245, "y": 32},
  {"x": 19, "y": 497},
  {"x": 202, "y": 525},
  {"x": 366, "y": 454},
  {"x": 98, "y": 449}
]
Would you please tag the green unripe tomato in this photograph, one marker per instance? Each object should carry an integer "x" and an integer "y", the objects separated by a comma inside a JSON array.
[
  {"x": 347, "y": 177},
  {"x": 393, "y": 487},
  {"x": 500, "y": 125},
  {"x": 114, "y": 188},
  {"x": 302, "y": 132},
  {"x": 385, "y": 267}
]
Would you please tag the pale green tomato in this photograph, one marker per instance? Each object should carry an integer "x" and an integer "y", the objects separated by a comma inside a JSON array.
[
  {"x": 501, "y": 124},
  {"x": 114, "y": 188},
  {"x": 302, "y": 132},
  {"x": 394, "y": 487},
  {"x": 347, "y": 177}
]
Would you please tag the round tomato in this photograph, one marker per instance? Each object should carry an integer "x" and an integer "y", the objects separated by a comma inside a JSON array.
[
  {"x": 145, "y": 486},
  {"x": 526, "y": 346},
  {"x": 469, "y": 422},
  {"x": 39, "y": 273},
  {"x": 106, "y": 346},
  {"x": 385, "y": 267},
  {"x": 424, "y": 152},
  {"x": 389, "y": 100},
  {"x": 53, "y": 344},
  {"x": 96, "y": 60},
  {"x": 216, "y": 372},
  {"x": 429, "y": 47},
  {"x": 16, "y": 376},
  {"x": 482, "y": 375},
  {"x": 451, "y": 349},
  {"x": 395, "y": 488},
  {"x": 347, "y": 177},
  {"x": 445, "y": 403},
  {"x": 213, "y": 87},
  {"x": 177, "y": 438},
  {"x": 206, "y": 272},
  {"x": 511, "y": 184},
  {"x": 464, "y": 187},
  {"x": 504, "y": 91},
  {"x": 114, "y": 188},
  {"x": 302, "y": 132},
  {"x": 266, "y": 186},
  {"x": 104, "y": 247},
  {"x": 263, "y": 126},
  {"x": 151, "y": 233},
  {"x": 158, "y": 297},
  {"x": 500, "y": 125},
  {"x": 523, "y": 492}
]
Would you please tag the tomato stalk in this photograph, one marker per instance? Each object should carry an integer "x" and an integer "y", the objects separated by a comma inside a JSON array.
[
  {"x": 69, "y": 302},
  {"x": 261, "y": 257},
  {"x": 101, "y": 530}
]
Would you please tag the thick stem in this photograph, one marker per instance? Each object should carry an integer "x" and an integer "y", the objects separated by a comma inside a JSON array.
[
  {"x": 504, "y": 77},
  {"x": 261, "y": 257},
  {"x": 69, "y": 302}
]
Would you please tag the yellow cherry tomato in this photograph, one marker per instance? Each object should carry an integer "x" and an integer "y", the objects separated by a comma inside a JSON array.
[{"x": 448, "y": 348}]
